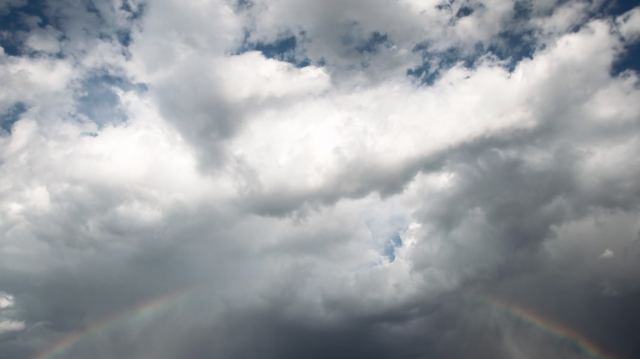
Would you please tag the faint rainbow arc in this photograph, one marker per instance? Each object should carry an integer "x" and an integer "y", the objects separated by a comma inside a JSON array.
[
  {"x": 150, "y": 307},
  {"x": 144, "y": 309},
  {"x": 552, "y": 328}
]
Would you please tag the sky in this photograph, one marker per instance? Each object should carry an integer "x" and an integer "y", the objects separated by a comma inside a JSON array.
[{"x": 319, "y": 179}]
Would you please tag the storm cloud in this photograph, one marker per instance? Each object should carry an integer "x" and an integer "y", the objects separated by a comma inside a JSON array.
[{"x": 347, "y": 179}]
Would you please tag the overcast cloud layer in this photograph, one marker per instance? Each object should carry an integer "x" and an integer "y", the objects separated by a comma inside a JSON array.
[{"x": 319, "y": 179}]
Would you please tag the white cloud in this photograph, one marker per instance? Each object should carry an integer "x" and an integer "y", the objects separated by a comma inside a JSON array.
[
  {"x": 6, "y": 301},
  {"x": 39, "y": 82},
  {"x": 629, "y": 24},
  {"x": 608, "y": 253},
  {"x": 251, "y": 77},
  {"x": 8, "y": 326},
  {"x": 564, "y": 18},
  {"x": 44, "y": 40}
]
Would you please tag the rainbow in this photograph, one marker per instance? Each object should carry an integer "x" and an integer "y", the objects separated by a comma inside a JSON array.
[
  {"x": 150, "y": 308},
  {"x": 551, "y": 327},
  {"x": 146, "y": 309}
]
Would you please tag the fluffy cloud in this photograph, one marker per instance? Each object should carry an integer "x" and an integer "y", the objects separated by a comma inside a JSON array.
[
  {"x": 343, "y": 179},
  {"x": 629, "y": 24},
  {"x": 7, "y": 325}
]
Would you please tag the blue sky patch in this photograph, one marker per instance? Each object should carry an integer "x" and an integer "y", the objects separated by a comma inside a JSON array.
[
  {"x": 629, "y": 59},
  {"x": 14, "y": 25},
  {"x": 464, "y": 11},
  {"x": 12, "y": 115},
  {"x": 390, "y": 247},
  {"x": 373, "y": 43},
  {"x": 243, "y": 5},
  {"x": 282, "y": 49},
  {"x": 510, "y": 47},
  {"x": 435, "y": 62},
  {"x": 619, "y": 7},
  {"x": 99, "y": 100}
]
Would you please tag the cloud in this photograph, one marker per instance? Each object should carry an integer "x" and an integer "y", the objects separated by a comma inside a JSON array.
[
  {"x": 7, "y": 326},
  {"x": 608, "y": 253},
  {"x": 232, "y": 179},
  {"x": 6, "y": 301},
  {"x": 629, "y": 24}
]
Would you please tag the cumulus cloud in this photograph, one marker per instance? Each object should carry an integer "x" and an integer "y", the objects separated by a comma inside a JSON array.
[
  {"x": 6, "y": 301},
  {"x": 629, "y": 24},
  {"x": 305, "y": 179},
  {"x": 7, "y": 325}
]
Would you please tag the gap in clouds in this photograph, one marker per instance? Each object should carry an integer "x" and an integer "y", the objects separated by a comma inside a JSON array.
[{"x": 98, "y": 97}]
